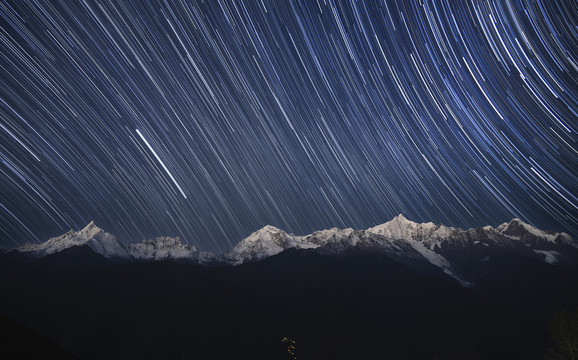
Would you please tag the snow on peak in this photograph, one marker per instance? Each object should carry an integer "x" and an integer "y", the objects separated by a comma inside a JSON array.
[
  {"x": 164, "y": 248},
  {"x": 513, "y": 225},
  {"x": 518, "y": 229},
  {"x": 90, "y": 230},
  {"x": 92, "y": 236},
  {"x": 269, "y": 228},
  {"x": 400, "y": 219},
  {"x": 401, "y": 228},
  {"x": 441, "y": 231},
  {"x": 267, "y": 241},
  {"x": 394, "y": 236},
  {"x": 331, "y": 236}
]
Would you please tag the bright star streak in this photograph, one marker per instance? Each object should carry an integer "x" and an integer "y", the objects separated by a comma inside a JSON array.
[{"x": 161, "y": 162}]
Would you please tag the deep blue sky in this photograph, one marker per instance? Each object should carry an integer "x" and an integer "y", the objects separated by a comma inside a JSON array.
[{"x": 209, "y": 120}]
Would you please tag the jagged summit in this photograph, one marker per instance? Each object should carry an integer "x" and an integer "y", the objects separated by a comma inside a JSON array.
[
  {"x": 167, "y": 248},
  {"x": 268, "y": 228},
  {"x": 91, "y": 235},
  {"x": 105, "y": 244},
  {"x": 400, "y": 239},
  {"x": 265, "y": 242},
  {"x": 402, "y": 228},
  {"x": 400, "y": 217},
  {"x": 516, "y": 228}
]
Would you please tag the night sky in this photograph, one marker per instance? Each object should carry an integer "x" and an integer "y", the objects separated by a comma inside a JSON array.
[{"x": 210, "y": 119}]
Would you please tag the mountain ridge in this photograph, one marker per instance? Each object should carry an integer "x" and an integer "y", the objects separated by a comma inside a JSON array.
[
  {"x": 402, "y": 240},
  {"x": 485, "y": 293}
]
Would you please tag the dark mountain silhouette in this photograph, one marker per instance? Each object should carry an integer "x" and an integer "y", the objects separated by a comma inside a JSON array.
[
  {"x": 20, "y": 342},
  {"x": 400, "y": 290},
  {"x": 355, "y": 305}
]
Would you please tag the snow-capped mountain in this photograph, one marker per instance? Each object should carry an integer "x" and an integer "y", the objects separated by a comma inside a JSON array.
[
  {"x": 452, "y": 250},
  {"x": 516, "y": 229},
  {"x": 513, "y": 234},
  {"x": 458, "y": 253},
  {"x": 105, "y": 244},
  {"x": 92, "y": 236},
  {"x": 167, "y": 248},
  {"x": 401, "y": 228},
  {"x": 263, "y": 243},
  {"x": 270, "y": 241},
  {"x": 388, "y": 273},
  {"x": 419, "y": 237},
  {"x": 336, "y": 241}
]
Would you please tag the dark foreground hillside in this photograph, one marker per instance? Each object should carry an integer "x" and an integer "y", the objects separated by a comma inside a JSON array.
[
  {"x": 362, "y": 306},
  {"x": 19, "y": 342}
]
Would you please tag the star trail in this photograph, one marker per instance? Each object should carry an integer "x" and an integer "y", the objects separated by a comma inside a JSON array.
[{"x": 210, "y": 119}]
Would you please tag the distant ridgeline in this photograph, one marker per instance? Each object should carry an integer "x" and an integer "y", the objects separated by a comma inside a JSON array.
[
  {"x": 451, "y": 250},
  {"x": 400, "y": 290}
]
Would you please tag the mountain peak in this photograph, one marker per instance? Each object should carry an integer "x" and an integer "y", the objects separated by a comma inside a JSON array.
[
  {"x": 401, "y": 228},
  {"x": 265, "y": 242},
  {"x": 167, "y": 248},
  {"x": 399, "y": 233},
  {"x": 91, "y": 235},
  {"x": 90, "y": 229},
  {"x": 269, "y": 228},
  {"x": 516, "y": 223},
  {"x": 401, "y": 220},
  {"x": 400, "y": 217},
  {"x": 518, "y": 229}
]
